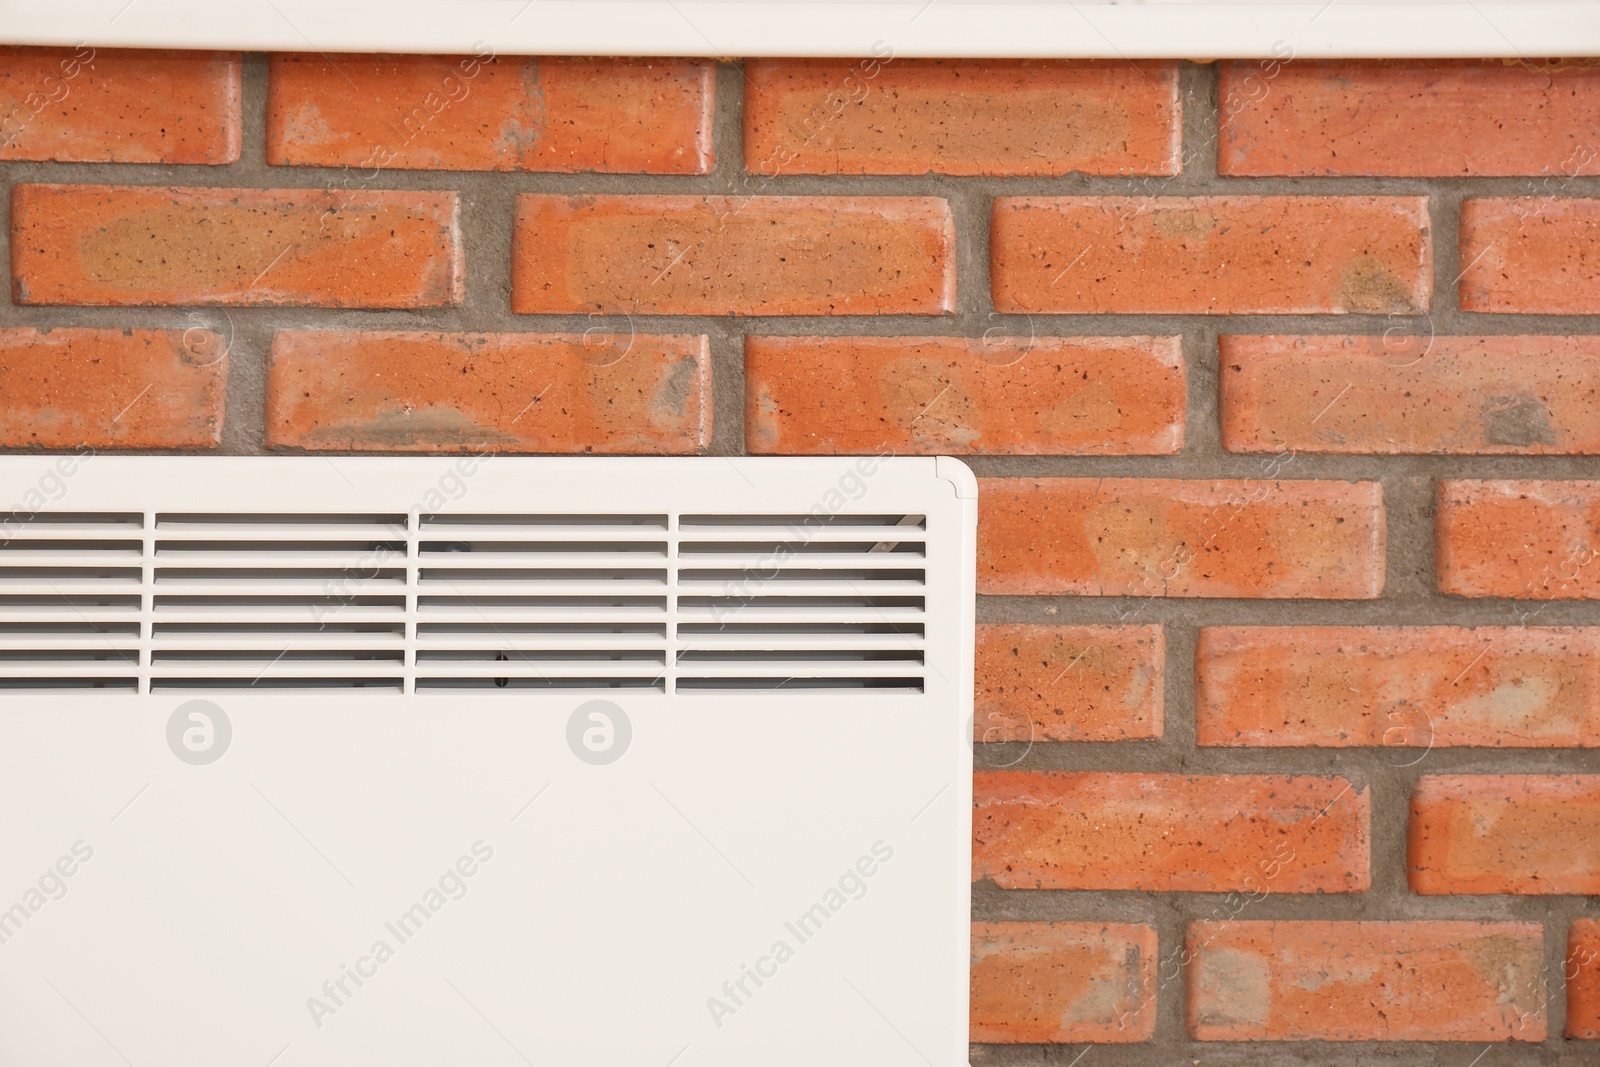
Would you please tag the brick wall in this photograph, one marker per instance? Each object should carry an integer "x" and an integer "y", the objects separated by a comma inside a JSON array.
[{"x": 1282, "y": 378}]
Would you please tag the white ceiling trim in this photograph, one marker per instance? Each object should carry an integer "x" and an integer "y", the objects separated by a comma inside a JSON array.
[{"x": 726, "y": 28}]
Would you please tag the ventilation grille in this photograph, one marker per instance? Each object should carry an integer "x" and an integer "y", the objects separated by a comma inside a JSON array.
[
  {"x": 542, "y": 601},
  {"x": 265, "y": 601},
  {"x": 72, "y": 590},
  {"x": 800, "y": 602},
  {"x": 495, "y": 603}
]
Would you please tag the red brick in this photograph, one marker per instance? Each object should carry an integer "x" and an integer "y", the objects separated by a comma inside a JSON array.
[
  {"x": 1473, "y": 395},
  {"x": 435, "y": 392},
  {"x": 1161, "y": 537},
  {"x": 716, "y": 255},
  {"x": 126, "y": 245},
  {"x": 958, "y": 116},
  {"x": 82, "y": 105},
  {"x": 956, "y": 395},
  {"x": 1044, "y": 983},
  {"x": 1068, "y": 683},
  {"x": 1583, "y": 979},
  {"x": 1170, "y": 832},
  {"x": 65, "y": 388},
  {"x": 1399, "y": 687},
  {"x": 485, "y": 112},
  {"x": 1533, "y": 540},
  {"x": 1366, "y": 981},
  {"x": 1210, "y": 255},
  {"x": 1511, "y": 833},
  {"x": 1530, "y": 255},
  {"x": 1413, "y": 118}
]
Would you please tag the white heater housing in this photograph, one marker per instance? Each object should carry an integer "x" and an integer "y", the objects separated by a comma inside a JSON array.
[{"x": 485, "y": 760}]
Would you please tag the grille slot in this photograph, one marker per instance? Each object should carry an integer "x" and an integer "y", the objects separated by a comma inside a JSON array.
[{"x": 483, "y": 602}]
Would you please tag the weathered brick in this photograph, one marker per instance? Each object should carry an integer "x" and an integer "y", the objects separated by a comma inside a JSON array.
[
  {"x": 127, "y": 245},
  {"x": 1414, "y": 118},
  {"x": 1210, "y": 255},
  {"x": 1526, "y": 539},
  {"x": 1252, "y": 980},
  {"x": 1582, "y": 976},
  {"x": 1171, "y": 832},
  {"x": 83, "y": 105},
  {"x": 65, "y": 388},
  {"x": 951, "y": 395},
  {"x": 1505, "y": 833},
  {"x": 487, "y": 112},
  {"x": 420, "y": 392},
  {"x": 959, "y": 116},
  {"x": 1068, "y": 683},
  {"x": 1399, "y": 687},
  {"x": 716, "y": 255},
  {"x": 1162, "y": 537},
  {"x": 1530, "y": 255},
  {"x": 1042, "y": 983},
  {"x": 1474, "y": 395}
]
